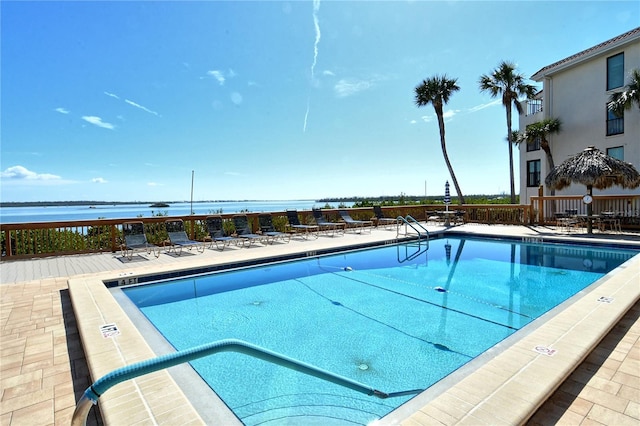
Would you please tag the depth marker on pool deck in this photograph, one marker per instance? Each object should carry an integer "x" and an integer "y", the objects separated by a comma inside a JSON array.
[
  {"x": 109, "y": 330},
  {"x": 543, "y": 350}
]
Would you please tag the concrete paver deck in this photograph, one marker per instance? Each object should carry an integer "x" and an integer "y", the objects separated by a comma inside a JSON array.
[{"x": 43, "y": 370}]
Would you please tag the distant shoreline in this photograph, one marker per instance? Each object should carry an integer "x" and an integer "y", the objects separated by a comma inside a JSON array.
[{"x": 113, "y": 203}]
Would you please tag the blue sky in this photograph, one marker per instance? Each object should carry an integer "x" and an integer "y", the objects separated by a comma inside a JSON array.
[{"x": 121, "y": 101}]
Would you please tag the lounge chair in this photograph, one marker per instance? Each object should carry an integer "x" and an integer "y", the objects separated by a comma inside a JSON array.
[
  {"x": 136, "y": 240},
  {"x": 217, "y": 234},
  {"x": 357, "y": 225},
  {"x": 297, "y": 227},
  {"x": 324, "y": 225},
  {"x": 269, "y": 231},
  {"x": 178, "y": 237},
  {"x": 243, "y": 230},
  {"x": 381, "y": 220}
]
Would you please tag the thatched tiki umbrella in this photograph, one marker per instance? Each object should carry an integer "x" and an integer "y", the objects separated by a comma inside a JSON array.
[{"x": 594, "y": 169}]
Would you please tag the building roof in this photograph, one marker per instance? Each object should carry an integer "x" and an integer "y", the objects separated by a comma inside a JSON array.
[{"x": 588, "y": 53}]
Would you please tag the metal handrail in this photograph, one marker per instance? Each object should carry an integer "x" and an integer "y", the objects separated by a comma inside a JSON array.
[
  {"x": 99, "y": 387},
  {"x": 408, "y": 220}
]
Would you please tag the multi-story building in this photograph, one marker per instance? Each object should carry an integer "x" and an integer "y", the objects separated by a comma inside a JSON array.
[{"x": 576, "y": 90}]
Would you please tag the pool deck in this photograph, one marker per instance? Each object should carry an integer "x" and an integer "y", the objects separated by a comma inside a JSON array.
[{"x": 586, "y": 369}]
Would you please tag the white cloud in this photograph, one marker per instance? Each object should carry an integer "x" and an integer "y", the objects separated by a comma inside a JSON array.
[
  {"x": 154, "y": 184},
  {"x": 98, "y": 180},
  {"x": 141, "y": 107},
  {"x": 483, "y": 106},
  {"x": 218, "y": 75},
  {"x": 448, "y": 115},
  {"x": 329, "y": 73},
  {"x": 427, "y": 118},
  {"x": 112, "y": 95},
  {"x": 348, "y": 87},
  {"x": 62, "y": 110},
  {"x": 236, "y": 98},
  {"x": 97, "y": 121},
  {"x": 22, "y": 173}
]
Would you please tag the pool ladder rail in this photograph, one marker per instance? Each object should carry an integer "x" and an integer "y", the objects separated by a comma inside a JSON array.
[
  {"x": 99, "y": 387},
  {"x": 409, "y": 222}
]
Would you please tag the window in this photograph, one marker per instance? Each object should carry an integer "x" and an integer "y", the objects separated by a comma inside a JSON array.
[
  {"x": 615, "y": 71},
  {"x": 615, "y": 123},
  {"x": 616, "y": 152},
  {"x": 533, "y": 145},
  {"x": 533, "y": 173}
]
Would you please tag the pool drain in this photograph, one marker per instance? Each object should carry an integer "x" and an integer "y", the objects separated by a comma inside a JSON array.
[{"x": 363, "y": 367}]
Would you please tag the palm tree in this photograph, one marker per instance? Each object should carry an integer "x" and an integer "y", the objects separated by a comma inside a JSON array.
[
  {"x": 436, "y": 91},
  {"x": 541, "y": 130},
  {"x": 506, "y": 82},
  {"x": 621, "y": 101}
]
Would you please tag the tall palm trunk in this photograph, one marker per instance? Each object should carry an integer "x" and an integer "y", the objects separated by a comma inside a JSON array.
[
  {"x": 512, "y": 179},
  {"x": 544, "y": 144},
  {"x": 443, "y": 145}
]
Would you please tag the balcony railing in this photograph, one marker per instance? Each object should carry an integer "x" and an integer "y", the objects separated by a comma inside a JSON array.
[
  {"x": 26, "y": 240},
  {"x": 534, "y": 106}
]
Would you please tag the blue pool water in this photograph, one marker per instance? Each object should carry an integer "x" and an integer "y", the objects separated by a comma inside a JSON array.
[{"x": 395, "y": 318}]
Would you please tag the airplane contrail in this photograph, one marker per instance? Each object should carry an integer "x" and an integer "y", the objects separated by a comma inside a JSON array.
[{"x": 316, "y": 24}]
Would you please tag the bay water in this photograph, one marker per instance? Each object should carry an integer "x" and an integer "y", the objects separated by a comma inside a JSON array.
[{"x": 131, "y": 211}]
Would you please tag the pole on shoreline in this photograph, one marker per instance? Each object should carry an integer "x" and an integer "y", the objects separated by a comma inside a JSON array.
[{"x": 191, "y": 208}]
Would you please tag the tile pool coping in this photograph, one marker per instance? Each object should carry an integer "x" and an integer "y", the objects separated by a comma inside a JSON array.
[{"x": 506, "y": 390}]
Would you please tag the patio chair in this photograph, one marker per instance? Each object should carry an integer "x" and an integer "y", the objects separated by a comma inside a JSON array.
[
  {"x": 381, "y": 220},
  {"x": 357, "y": 225},
  {"x": 269, "y": 231},
  {"x": 136, "y": 240},
  {"x": 458, "y": 217},
  {"x": 331, "y": 228},
  {"x": 612, "y": 220},
  {"x": 241, "y": 222},
  {"x": 298, "y": 228},
  {"x": 178, "y": 237},
  {"x": 434, "y": 217},
  {"x": 217, "y": 234}
]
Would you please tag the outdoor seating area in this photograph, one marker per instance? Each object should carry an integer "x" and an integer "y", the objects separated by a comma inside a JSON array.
[
  {"x": 604, "y": 222},
  {"x": 446, "y": 217}
]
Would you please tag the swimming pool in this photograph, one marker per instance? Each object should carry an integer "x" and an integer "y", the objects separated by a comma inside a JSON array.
[{"x": 397, "y": 318}]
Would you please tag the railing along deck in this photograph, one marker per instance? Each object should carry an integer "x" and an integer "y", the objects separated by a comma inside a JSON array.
[
  {"x": 39, "y": 239},
  {"x": 626, "y": 207}
]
